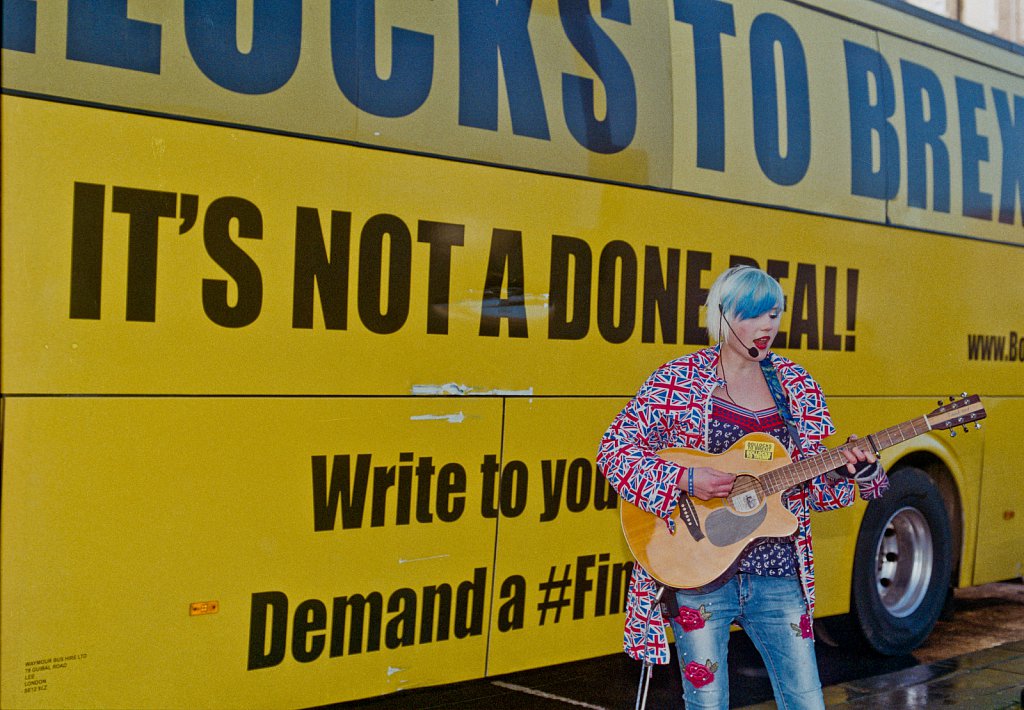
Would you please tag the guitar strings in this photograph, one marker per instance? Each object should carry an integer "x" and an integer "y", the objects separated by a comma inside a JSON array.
[{"x": 791, "y": 474}]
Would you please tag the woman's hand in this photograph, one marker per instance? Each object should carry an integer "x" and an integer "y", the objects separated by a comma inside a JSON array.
[
  {"x": 857, "y": 458},
  {"x": 708, "y": 483}
]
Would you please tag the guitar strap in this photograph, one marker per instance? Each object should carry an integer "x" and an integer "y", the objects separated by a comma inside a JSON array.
[
  {"x": 775, "y": 387},
  {"x": 870, "y": 479}
]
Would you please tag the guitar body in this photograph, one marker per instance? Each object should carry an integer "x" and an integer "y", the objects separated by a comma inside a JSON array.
[{"x": 709, "y": 536}]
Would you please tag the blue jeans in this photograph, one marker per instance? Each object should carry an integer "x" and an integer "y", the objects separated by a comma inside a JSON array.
[{"x": 769, "y": 609}]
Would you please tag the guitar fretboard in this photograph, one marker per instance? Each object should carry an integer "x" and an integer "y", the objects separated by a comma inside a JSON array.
[{"x": 799, "y": 471}]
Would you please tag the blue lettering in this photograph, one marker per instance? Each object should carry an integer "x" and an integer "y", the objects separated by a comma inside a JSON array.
[
  {"x": 926, "y": 124},
  {"x": 710, "y": 19},
  {"x": 19, "y": 31},
  {"x": 355, "y": 65},
  {"x": 765, "y": 32},
  {"x": 618, "y": 127},
  {"x": 870, "y": 119},
  {"x": 973, "y": 149},
  {"x": 211, "y": 33},
  {"x": 99, "y": 32},
  {"x": 488, "y": 28},
  {"x": 1012, "y": 133}
]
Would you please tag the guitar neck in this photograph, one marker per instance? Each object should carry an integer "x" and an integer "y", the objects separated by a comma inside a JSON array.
[{"x": 790, "y": 475}]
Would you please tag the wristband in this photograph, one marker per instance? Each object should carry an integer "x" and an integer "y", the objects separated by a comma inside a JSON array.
[{"x": 689, "y": 481}]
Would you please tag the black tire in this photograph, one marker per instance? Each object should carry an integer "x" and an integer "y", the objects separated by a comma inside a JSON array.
[{"x": 902, "y": 565}]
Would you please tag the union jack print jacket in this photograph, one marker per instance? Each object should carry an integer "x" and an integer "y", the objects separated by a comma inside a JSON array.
[{"x": 673, "y": 409}]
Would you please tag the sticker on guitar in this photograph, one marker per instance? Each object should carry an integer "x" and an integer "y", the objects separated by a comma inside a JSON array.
[{"x": 746, "y": 494}]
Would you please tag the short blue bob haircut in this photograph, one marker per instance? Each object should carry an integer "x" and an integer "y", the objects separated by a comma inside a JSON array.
[{"x": 739, "y": 293}]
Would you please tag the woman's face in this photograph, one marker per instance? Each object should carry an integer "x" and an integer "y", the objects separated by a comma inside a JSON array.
[{"x": 758, "y": 332}]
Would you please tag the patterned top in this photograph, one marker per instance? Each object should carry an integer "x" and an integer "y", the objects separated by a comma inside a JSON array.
[
  {"x": 771, "y": 557},
  {"x": 673, "y": 409}
]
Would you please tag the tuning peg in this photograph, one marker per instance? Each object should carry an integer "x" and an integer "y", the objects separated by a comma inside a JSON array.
[
  {"x": 977, "y": 425},
  {"x": 952, "y": 433},
  {"x": 940, "y": 402},
  {"x": 963, "y": 395},
  {"x": 965, "y": 429}
]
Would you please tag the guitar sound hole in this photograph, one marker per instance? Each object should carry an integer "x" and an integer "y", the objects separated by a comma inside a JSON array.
[{"x": 747, "y": 495}]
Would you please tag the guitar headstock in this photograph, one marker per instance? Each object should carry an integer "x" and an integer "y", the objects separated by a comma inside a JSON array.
[{"x": 957, "y": 412}]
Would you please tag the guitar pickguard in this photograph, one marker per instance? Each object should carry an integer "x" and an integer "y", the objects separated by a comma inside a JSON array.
[{"x": 723, "y": 527}]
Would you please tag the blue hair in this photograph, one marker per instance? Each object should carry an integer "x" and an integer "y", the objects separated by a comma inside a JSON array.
[
  {"x": 750, "y": 293},
  {"x": 742, "y": 292}
]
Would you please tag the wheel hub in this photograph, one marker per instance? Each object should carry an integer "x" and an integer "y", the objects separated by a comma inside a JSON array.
[{"x": 904, "y": 561}]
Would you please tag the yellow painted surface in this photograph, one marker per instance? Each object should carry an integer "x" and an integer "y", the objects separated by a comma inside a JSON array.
[
  {"x": 998, "y": 555},
  {"x": 569, "y": 529},
  {"x": 120, "y": 513}
]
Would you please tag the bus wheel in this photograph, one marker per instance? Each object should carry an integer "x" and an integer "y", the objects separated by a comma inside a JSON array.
[{"x": 903, "y": 564}]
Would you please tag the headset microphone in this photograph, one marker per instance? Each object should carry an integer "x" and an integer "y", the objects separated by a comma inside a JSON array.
[{"x": 751, "y": 350}]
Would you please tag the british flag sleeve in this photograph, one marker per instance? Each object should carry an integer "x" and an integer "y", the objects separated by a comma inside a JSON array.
[{"x": 665, "y": 413}]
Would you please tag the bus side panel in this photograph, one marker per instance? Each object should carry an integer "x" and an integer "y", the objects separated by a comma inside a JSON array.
[
  {"x": 243, "y": 552},
  {"x": 567, "y": 545},
  {"x": 1001, "y": 509}
]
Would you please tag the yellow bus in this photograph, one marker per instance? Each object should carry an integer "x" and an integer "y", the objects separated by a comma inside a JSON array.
[{"x": 313, "y": 315}]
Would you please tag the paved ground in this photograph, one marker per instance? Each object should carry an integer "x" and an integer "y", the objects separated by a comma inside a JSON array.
[
  {"x": 985, "y": 616},
  {"x": 973, "y": 660}
]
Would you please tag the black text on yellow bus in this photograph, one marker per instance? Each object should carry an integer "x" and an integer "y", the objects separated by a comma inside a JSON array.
[
  {"x": 418, "y": 490},
  {"x": 593, "y": 585},
  {"x": 617, "y": 290},
  {"x": 446, "y": 612}
]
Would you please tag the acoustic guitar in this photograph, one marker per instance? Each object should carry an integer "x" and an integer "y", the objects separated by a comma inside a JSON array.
[{"x": 703, "y": 540}]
